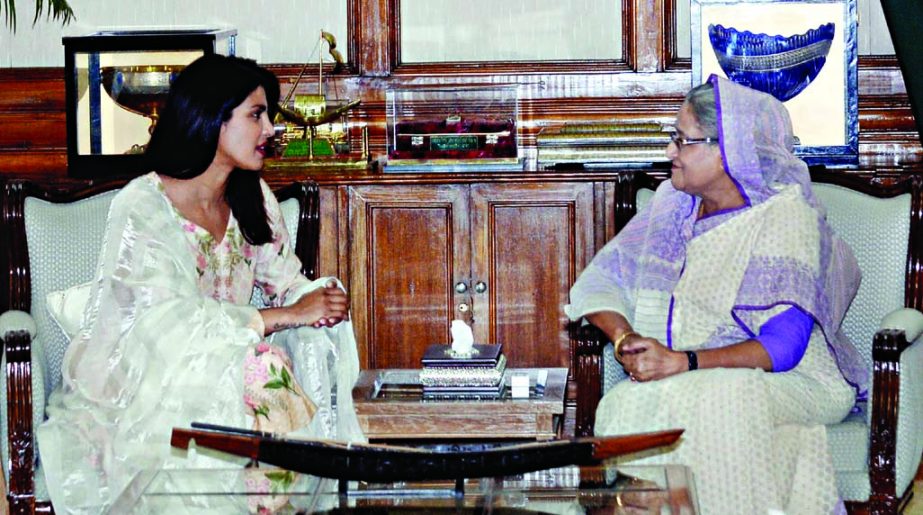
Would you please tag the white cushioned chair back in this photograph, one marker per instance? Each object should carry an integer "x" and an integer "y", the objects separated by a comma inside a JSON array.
[
  {"x": 64, "y": 242},
  {"x": 291, "y": 212},
  {"x": 877, "y": 231},
  {"x": 643, "y": 197}
]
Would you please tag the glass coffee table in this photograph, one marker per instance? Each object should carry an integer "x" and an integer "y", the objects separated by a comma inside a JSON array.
[{"x": 598, "y": 490}]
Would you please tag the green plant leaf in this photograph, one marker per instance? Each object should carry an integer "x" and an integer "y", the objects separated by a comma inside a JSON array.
[
  {"x": 275, "y": 384},
  {"x": 56, "y": 10},
  {"x": 262, "y": 410}
]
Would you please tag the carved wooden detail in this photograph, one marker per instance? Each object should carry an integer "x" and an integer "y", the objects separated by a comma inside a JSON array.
[
  {"x": 18, "y": 347},
  {"x": 408, "y": 247},
  {"x": 913, "y": 297},
  {"x": 500, "y": 255},
  {"x": 588, "y": 348},
  {"x": 308, "y": 234},
  {"x": 886, "y": 367},
  {"x": 529, "y": 243},
  {"x": 17, "y": 282}
]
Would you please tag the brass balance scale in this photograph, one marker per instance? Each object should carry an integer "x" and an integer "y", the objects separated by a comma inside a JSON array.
[{"x": 313, "y": 130}]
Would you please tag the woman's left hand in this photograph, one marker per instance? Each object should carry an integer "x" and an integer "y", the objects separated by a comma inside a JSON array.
[{"x": 646, "y": 359}]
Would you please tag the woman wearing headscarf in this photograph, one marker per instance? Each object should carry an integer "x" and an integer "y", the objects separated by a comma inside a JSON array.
[
  {"x": 169, "y": 336},
  {"x": 724, "y": 298}
]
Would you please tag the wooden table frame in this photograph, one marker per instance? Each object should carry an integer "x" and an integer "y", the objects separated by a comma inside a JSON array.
[{"x": 388, "y": 419}]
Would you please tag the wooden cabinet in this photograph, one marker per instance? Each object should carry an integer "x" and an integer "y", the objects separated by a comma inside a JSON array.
[
  {"x": 500, "y": 255},
  {"x": 408, "y": 246}
]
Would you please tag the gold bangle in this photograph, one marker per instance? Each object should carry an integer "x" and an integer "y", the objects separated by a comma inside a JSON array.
[{"x": 621, "y": 339}]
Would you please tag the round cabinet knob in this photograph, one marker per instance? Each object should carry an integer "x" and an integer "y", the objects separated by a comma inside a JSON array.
[
  {"x": 463, "y": 307},
  {"x": 480, "y": 287},
  {"x": 461, "y": 287}
]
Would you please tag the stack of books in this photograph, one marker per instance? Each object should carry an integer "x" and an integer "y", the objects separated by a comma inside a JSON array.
[
  {"x": 476, "y": 375},
  {"x": 589, "y": 144}
]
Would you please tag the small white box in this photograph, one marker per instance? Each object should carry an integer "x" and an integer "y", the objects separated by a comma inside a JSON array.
[{"x": 519, "y": 385}]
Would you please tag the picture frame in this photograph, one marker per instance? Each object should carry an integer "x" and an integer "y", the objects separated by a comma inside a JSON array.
[{"x": 804, "y": 52}]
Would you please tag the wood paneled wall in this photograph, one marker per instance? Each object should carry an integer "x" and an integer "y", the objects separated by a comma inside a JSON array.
[{"x": 647, "y": 83}]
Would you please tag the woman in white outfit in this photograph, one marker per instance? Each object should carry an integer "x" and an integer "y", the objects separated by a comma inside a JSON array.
[{"x": 169, "y": 336}]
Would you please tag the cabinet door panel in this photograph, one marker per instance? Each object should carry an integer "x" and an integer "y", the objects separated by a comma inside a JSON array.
[
  {"x": 530, "y": 241},
  {"x": 408, "y": 247}
]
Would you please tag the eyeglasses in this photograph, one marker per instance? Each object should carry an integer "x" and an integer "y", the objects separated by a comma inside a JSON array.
[{"x": 681, "y": 141}]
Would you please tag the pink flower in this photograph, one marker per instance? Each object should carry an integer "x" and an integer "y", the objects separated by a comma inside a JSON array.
[
  {"x": 262, "y": 347},
  {"x": 255, "y": 371},
  {"x": 200, "y": 262},
  {"x": 189, "y": 227},
  {"x": 248, "y": 400}
]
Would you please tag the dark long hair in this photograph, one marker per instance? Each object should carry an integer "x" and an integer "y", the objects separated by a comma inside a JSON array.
[{"x": 185, "y": 140}]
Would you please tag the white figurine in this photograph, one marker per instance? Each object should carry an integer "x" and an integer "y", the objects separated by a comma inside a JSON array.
[{"x": 462, "y": 339}]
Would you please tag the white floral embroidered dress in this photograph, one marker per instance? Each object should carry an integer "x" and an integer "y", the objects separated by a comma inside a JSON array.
[
  {"x": 169, "y": 338},
  {"x": 227, "y": 271}
]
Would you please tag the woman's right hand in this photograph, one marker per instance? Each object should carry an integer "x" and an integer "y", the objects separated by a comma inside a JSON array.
[
  {"x": 646, "y": 359},
  {"x": 324, "y": 307}
]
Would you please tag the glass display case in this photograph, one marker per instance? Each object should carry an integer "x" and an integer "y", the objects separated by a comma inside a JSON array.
[
  {"x": 465, "y": 128},
  {"x": 116, "y": 83}
]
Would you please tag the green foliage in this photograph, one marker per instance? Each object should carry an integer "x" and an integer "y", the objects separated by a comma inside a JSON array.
[{"x": 56, "y": 10}]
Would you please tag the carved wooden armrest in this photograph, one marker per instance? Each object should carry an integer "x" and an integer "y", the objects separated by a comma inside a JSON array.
[
  {"x": 589, "y": 342},
  {"x": 17, "y": 342},
  {"x": 887, "y": 346}
]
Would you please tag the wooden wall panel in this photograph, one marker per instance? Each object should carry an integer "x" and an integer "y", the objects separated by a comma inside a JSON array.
[
  {"x": 32, "y": 89},
  {"x": 32, "y": 131},
  {"x": 32, "y": 113}
]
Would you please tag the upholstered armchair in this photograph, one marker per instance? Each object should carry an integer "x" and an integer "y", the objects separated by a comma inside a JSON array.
[
  {"x": 876, "y": 451},
  {"x": 52, "y": 241}
]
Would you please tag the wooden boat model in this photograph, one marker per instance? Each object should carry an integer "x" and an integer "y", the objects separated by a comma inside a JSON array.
[
  {"x": 326, "y": 113},
  {"x": 386, "y": 463},
  {"x": 327, "y": 116},
  {"x": 315, "y": 130}
]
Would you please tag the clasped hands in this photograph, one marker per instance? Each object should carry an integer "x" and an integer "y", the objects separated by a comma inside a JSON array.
[
  {"x": 646, "y": 359},
  {"x": 324, "y": 307}
]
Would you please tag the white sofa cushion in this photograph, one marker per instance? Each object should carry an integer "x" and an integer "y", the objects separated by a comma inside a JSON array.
[{"x": 66, "y": 307}]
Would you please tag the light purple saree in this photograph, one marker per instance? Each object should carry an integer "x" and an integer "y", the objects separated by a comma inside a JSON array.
[{"x": 756, "y": 138}]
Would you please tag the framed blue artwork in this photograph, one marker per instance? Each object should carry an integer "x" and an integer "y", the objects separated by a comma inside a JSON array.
[{"x": 803, "y": 52}]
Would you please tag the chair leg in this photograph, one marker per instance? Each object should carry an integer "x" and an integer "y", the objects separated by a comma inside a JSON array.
[{"x": 21, "y": 504}]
